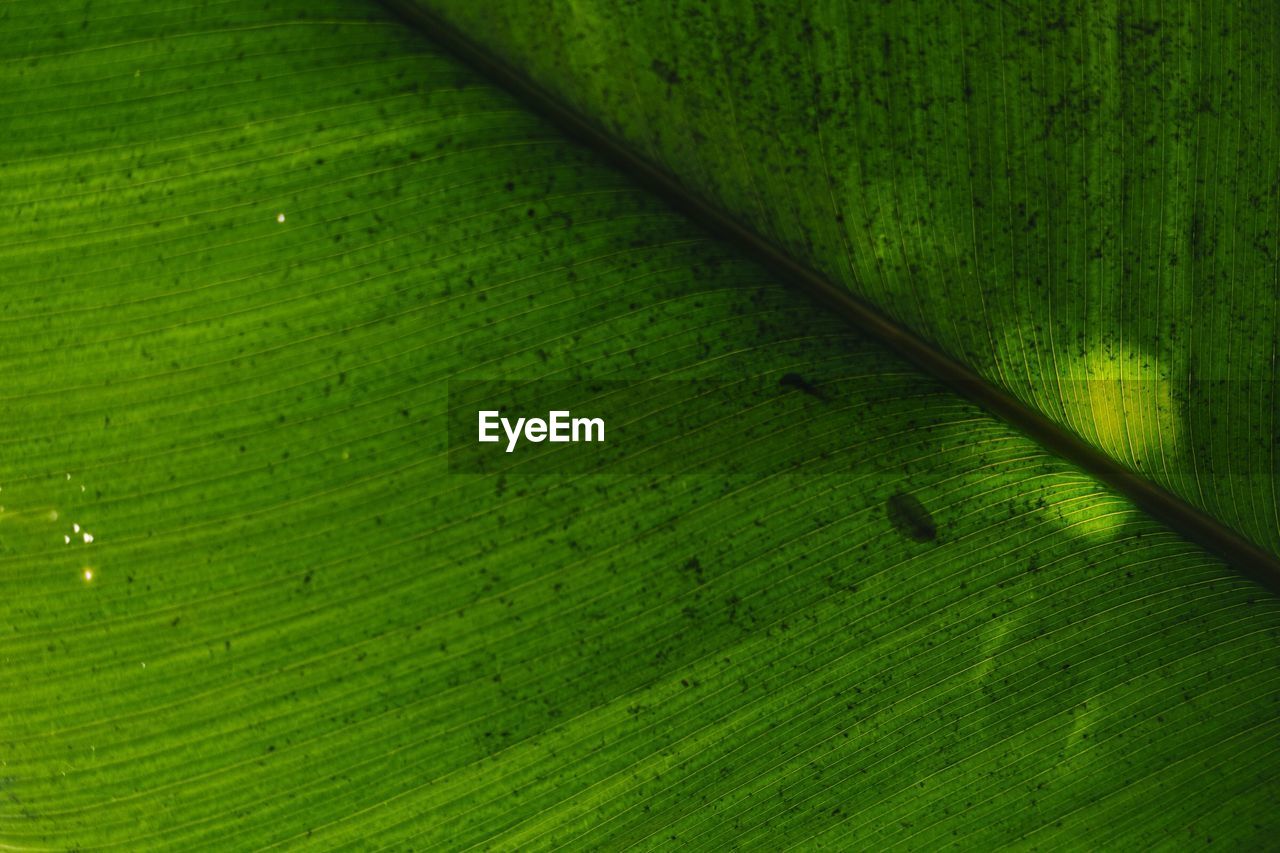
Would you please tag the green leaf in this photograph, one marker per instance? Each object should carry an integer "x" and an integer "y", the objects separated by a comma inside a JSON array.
[
  {"x": 247, "y": 252},
  {"x": 1077, "y": 200}
]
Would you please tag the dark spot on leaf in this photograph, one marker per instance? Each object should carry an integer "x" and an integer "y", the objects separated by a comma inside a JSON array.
[
  {"x": 666, "y": 72},
  {"x": 795, "y": 380},
  {"x": 910, "y": 518}
]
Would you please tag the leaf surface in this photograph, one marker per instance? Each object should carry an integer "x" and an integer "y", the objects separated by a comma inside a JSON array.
[
  {"x": 1078, "y": 200},
  {"x": 247, "y": 604}
]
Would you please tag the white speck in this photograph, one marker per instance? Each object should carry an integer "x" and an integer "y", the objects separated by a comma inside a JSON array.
[
  {"x": 279, "y": 217},
  {"x": 75, "y": 528},
  {"x": 88, "y": 537},
  {"x": 88, "y": 574},
  {"x": 66, "y": 539}
]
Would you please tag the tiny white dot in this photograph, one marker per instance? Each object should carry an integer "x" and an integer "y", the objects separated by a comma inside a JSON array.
[
  {"x": 279, "y": 217},
  {"x": 88, "y": 537},
  {"x": 66, "y": 539},
  {"x": 75, "y": 528},
  {"x": 88, "y": 574}
]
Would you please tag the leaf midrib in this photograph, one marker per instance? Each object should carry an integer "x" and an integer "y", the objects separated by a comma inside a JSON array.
[{"x": 1161, "y": 504}]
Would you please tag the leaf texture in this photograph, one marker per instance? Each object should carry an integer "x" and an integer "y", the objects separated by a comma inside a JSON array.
[
  {"x": 246, "y": 605},
  {"x": 1077, "y": 200}
]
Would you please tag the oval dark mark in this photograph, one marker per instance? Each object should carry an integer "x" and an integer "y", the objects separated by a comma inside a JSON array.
[
  {"x": 795, "y": 380},
  {"x": 910, "y": 518}
]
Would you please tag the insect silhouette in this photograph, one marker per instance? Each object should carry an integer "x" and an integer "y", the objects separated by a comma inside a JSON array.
[
  {"x": 795, "y": 380},
  {"x": 910, "y": 518}
]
